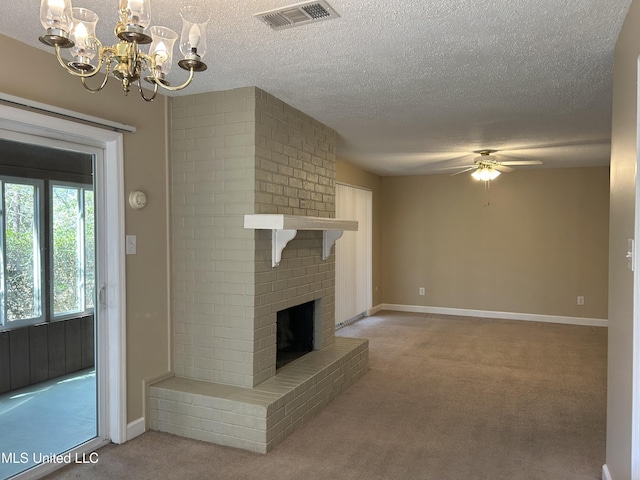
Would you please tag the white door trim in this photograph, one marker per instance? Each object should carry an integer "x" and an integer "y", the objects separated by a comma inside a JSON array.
[
  {"x": 15, "y": 123},
  {"x": 635, "y": 392}
]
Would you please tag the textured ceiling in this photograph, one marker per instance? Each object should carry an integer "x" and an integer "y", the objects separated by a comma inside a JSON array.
[{"x": 413, "y": 86}]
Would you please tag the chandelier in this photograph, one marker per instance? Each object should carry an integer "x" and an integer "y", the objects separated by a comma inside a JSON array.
[{"x": 73, "y": 29}]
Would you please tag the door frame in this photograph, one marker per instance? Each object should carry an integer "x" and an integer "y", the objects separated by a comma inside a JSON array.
[
  {"x": 635, "y": 259},
  {"x": 109, "y": 187}
]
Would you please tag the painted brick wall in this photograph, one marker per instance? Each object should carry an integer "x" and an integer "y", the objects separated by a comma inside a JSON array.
[
  {"x": 295, "y": 161},
  {"x": 233, "y": 153},
  {"x": 213, "y": 158},
  {"x": 295, "y": 175}
]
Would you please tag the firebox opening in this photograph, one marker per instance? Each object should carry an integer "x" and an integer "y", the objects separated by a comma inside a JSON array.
[{"x": 294, "y": 332}]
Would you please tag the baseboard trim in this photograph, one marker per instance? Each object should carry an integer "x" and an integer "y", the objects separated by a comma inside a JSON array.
[
  {"x": 529, "y": 317},
  {"x": 135, "y": 428},
  {"x": 368, "y": 313},
  {"x": 605, "y": 473},
  {"x": 351, "y": 320}
]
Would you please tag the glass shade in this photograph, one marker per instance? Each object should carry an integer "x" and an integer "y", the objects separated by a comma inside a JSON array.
[
  {"x": 136, "y": 12},
  {"x": 56, "y": 14},
  {"x": 485, "y": 174},
  {"x": 193, "y": 40},
  {"x": 161, "y": 48},
  {"x": 83, "y": 34}
]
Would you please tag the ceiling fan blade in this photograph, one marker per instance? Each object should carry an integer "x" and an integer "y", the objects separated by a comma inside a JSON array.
[
  {"x": 421, "y": 167},
  {"x": 465, "y": 170},
  {"x": 504, "y": 168},
  {"x": 523, "y": 162},
  {"x": 454, "y": 168}
]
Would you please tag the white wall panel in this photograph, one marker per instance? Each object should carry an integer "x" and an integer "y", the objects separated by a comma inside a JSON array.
[{"x": 353, "y": 253}]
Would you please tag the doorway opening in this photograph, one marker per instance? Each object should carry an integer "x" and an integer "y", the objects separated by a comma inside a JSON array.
[
  {"x": 47, "y": 310},
  {"x": 106, "y": 287}
]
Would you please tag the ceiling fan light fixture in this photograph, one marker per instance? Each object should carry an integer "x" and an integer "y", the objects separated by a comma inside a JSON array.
[{"x": 485, "y": 174}]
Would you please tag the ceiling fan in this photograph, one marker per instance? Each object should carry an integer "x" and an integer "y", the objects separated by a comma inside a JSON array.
[{"x": 486, "y": 167}]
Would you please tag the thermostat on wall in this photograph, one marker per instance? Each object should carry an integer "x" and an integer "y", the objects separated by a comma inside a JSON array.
[{"x": 137, "y": 199}]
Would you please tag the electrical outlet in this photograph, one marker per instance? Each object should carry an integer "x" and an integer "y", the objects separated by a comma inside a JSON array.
[
  {"x": 580, "y": 300},
  {"x": 421, "y": 291}
]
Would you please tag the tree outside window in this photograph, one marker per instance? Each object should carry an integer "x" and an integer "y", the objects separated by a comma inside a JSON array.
[
  {"x": 70, "y": 209},
  {"x": 21, "y": 252},
  {"x": 73, "y": 255}
]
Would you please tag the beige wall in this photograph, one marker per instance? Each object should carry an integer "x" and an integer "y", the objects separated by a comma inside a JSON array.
[
  {"x": 351, "y": 174},
  {"x": 541, "y": 242},
  {"x": 40, "y": 78},
  {"x": 622, "y": 217}
]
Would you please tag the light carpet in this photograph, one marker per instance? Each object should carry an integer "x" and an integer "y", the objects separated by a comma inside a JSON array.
[{"x": 446, "y": 398}]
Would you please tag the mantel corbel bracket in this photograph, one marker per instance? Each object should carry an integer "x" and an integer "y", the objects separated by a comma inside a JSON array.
[
  {"x": 279, "y": 240},
  {"x": 329, "y": 238},
  {"x": 284, "y": 228}
]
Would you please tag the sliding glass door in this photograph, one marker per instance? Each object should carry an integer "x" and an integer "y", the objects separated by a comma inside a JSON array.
[{"x": 48, "y": 316}]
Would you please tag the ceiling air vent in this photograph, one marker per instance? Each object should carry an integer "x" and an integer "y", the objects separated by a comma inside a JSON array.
[{"x": 298, "y": 14}]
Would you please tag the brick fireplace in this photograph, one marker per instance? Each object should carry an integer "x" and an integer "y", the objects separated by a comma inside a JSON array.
[{"x": 238, "y": 153}]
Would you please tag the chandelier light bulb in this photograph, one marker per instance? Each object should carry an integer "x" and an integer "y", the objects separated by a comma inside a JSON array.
[
  {"x": 193, "y": 40},
  {"x": 194, "y": 37},
  {"x": 55, "y": 16},
  {"x": 136, "y": 12},
  {"x": 161, "y": 49},
  {"x": 162, "y": 57},
  {"x": 83, "y": 36},
  {"x": 56, "y": 7},
  {"x": 81, "y": 33},
  {"x": 135, "y": 6}
]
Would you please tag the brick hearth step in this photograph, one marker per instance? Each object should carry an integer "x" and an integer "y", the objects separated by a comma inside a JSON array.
[{"x": 258, "y": 418}]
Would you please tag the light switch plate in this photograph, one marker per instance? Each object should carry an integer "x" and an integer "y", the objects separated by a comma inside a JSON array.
[{"x": 130, "y": 245}]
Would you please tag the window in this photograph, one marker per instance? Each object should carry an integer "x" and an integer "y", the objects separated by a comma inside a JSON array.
[
  {"x": 28, "y": 276},
  {"x": 21, "y": 251},
  {"x": 72, "y": 249}
]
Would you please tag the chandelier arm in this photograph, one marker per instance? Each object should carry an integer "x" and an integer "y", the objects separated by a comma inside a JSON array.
[
  {"x": 103, "y": 52},
  {"x": 134, "y": 66},
  {"x": 155, "y": 91},
  {"x": 95, "y": 90},
  {"x": 176, "y": 88}
]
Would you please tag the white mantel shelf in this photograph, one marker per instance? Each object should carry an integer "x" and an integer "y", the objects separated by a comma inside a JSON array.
[{"x": 284, "y": 228}]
